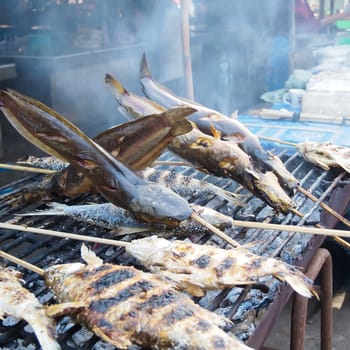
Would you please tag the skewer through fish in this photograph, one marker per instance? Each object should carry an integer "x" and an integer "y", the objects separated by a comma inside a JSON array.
[
  {"x": 116, "y": 182},
  {"x": 326, "y": 155},
  {"x": 216, "y": 156},
  {"x": 137, "y": 144},
  {"x": 230, "y": 129},
  {"x": 198, "y": 268},
  {"x": 185, "y": 186},
  {"x": 19, "y": 302},
  {"x": 122, "y": 222},
  {"x": 125, "y": 306}
]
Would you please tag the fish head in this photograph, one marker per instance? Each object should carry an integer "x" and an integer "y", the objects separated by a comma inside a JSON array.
[
  {"x": 157, "y": 204},
  {"x": 57, "y": 275},
  {"x": 148, "y": 249}
]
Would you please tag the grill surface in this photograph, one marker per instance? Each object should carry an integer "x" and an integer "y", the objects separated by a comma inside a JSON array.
[{"x": 249, "y": 307}]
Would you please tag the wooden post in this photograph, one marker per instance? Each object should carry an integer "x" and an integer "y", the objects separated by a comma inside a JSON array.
[{"x": 185, "y": 11}]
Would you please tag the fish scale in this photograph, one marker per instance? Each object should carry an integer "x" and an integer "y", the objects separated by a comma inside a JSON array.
[{"x": 125, "y": 306}]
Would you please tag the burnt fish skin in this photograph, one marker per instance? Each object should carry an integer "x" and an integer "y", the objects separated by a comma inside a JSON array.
[
  {"x": 231, "y": 129},
  {"x": 218, "y": 157},
  {"x": 125, "y": 306},
  {"x": 121, "y": 186},
  {"x": 137, "y": 144},
  {"x": 21, "y": 303}
]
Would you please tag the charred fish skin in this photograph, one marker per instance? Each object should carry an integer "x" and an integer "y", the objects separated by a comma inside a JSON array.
[
  {"x": 125, "y": 306},
  {"x": 216, "y": 156},
  {"x": 230, "y": 129},
  {"x": 105, "y": 215},
  {"x": 227, "y": 160},
  {"x": 21, "y": 303},
  {"x": 197, "y": 268},
  {"x": 115, "y": 181},
  {"x": 325, "y": 155}
]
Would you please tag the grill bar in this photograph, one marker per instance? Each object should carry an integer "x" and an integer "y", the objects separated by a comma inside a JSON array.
[{"x": 253, "y": 308}]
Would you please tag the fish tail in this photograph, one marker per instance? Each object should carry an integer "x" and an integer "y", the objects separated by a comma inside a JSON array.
[
  {"x": 114, "y": 83},
  {"x": 56, "y": 209},
  {"x": 230, "y": 197},
  {"x": 175, "y": 117},
  {"x": 144, "y": 69},
  {"x": 300, "y": 283},
  {"x": 89, "y": 256},
  {"x": 44, "y": 330}
]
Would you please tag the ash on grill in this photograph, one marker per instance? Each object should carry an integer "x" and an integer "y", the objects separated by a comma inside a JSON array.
[{"x": 245, "y": 306}]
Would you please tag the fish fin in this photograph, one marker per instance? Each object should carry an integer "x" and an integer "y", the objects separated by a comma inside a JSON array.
[
  {"x": 234, "y": 114},
  {"x": 144, "y": 69},
  {"x": 116, "y": 85},
  {"x": 56, "y": 209},
  {"x": 216, "y": 133},
  {"x": 253, "y": 173},
  {"x": 56, "y": 310},
  {"x": 298, "y": 284},
  {"x": 89, "y": 256},
  {"x": 232, "y": 198},
  {"x": 183, "y": 282},
  {"x": 118, "y": 339},
  {"x": 195, "y": 291},
  {"x": 175, "y": 118}
]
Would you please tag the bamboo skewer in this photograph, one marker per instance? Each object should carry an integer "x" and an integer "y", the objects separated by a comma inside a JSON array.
[
  {"x": 216, "y": 231},
  {"x": 238, "y": 223},
  {"x": 206, "y": 224},
  {"x": 25, "y": 168},
  {"x": 309, "y": 195},
  {"x": 21, "y": 262}
]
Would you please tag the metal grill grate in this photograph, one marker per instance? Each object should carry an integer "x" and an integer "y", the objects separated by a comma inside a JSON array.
[{"x": 246, "y": 306}]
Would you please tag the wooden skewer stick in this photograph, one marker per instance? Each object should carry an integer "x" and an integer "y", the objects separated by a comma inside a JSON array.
[
  {"x": 26, "y": 168},
  {"x": 53, "y": 233},
  {"x": 282, "y": 142},
  {"x": 21, "y": 262},
  {"x": 215, "y": 230},
  {"x": 238, "y": 223},
  {"x": 308, "y": 194}
]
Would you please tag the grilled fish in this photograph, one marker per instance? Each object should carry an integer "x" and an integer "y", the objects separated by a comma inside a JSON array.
[
  {"x": 230, "y": 129},
  {"x": 197, "y": 268},
  {"x": 188, "y": 186},
  {"x": 137, "y": 144},
  {"x": 19, "y": 302},
  {"x": 216, "y": 156},
  {"x": 185, "y": 186},
  {"x": 122, "y": 222},
  {"x": 125, "y": 306},
  {"x": 50, "y": 163},
  {"x": 325, "y": 155},
  {"x": 115, "y": 181}
]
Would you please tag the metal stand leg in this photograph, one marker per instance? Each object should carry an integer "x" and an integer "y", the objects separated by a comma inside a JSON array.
[{"x": 321, "y": 263}]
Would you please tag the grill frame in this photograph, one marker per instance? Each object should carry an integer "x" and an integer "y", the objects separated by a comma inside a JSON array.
[{"x": 32, "y": 247}]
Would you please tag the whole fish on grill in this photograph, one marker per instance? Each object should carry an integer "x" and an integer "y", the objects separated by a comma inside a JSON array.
[
  {"x": 125, "y": 306},
  {"x": 218, "y": 157},
  {"x": 197, "y": 268},
  {"x": 325, "y": 155},
  {"x": 19, "y": 302},
  {"x": 231, "y": 129},
  {"x": 137, "y": 144},
  {"x": 121, "y": 221},
  {"x": 112, "y": 179},
  {"x": 185, "y": 186}
]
